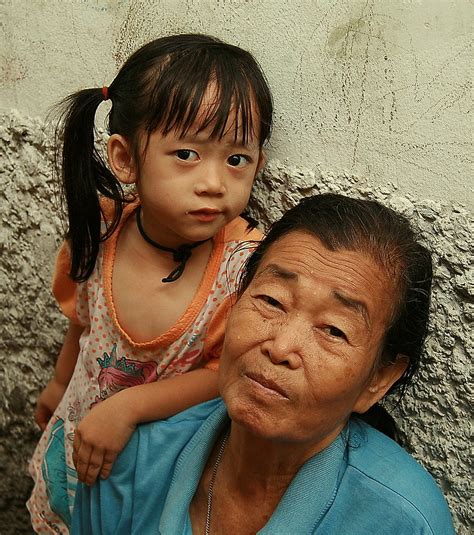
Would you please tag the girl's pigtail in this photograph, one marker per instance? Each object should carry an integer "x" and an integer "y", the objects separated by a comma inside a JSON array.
[{"x": 84, "y": 177}]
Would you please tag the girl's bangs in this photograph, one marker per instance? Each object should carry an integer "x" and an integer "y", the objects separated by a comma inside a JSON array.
[{"x": 218, "y": 97}]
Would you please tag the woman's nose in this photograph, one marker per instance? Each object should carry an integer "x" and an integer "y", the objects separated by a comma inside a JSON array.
[
  {"x": 210, "y": 181},
  {"x": 284, "y": 348}
]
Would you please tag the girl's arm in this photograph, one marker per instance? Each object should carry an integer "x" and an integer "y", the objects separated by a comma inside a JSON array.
[
  {"x": 54, "y": 390},
  {"x": 105, "y": 431}
]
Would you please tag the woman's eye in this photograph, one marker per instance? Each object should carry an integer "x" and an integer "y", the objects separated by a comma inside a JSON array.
[
  {"x": 187, "y": 155},
  {"x": 271, "y": 301},
  {"x": 238, "y": 160},
  {"x": 335, "y": 332}
]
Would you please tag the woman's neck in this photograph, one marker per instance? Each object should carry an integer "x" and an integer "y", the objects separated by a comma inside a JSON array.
[
  {"x": 245, "y": 481},
  {"x": 267, "y": 463}
]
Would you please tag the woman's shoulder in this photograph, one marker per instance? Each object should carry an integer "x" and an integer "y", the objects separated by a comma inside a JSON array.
[
  {"x": 382, "y": 459},
  {"x": 184, "y": 424},
  {"x": 168, "y": 436},
  {"x": 197, "y": 413},
  {"x": 389, "y": 473}
]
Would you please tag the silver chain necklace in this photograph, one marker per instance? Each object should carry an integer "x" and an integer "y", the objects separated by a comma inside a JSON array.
[{"x": 220, "y": 453}]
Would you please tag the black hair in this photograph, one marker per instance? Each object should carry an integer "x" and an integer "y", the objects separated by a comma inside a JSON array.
[
  {"x": 367, "y": 226},
  {"x": 161, "y": 86}
]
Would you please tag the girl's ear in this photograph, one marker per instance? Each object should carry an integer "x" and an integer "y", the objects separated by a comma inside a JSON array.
[
  {"x": 262, "y": 160},
  {"x": 380, "y": 383},
  {"x": 121, "y": 159}
]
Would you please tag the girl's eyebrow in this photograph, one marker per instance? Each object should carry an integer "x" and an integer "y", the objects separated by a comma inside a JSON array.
[
  {"x": 200, "y": 139},
  {"x": 240, "y": 145}
]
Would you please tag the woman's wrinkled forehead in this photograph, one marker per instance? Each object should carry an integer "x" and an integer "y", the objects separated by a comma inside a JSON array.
[{"x": 341, "y": 279}]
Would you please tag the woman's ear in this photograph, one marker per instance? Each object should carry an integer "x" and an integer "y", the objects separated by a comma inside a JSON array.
[
  {"x": 121, "y": 159},
  {"x": 380, "y": 383}
]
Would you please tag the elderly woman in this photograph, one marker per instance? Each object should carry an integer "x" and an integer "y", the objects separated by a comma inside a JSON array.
[{"x": 331, "y": 316}]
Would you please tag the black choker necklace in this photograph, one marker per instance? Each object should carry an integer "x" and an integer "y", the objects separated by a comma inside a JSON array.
[{"x": 181, "y": 254}]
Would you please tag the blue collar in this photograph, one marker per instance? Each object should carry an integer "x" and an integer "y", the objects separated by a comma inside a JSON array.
[{"x": 303, "y": 505}]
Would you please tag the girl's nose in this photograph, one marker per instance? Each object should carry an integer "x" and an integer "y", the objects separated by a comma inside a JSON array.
[{"x": 211, "y": 182}]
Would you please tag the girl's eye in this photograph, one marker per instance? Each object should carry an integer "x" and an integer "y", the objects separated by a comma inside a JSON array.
[
  {"x": 335, "y": 332},
  {"x": 238, "y": 160},
  {"x": 187, "y": 155}
]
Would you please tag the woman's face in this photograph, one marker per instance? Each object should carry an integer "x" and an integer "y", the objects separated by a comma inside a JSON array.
[{"x": 302, "y": 342}]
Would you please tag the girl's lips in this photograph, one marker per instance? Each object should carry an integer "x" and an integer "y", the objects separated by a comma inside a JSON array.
[{"x": 206, "y": 214}]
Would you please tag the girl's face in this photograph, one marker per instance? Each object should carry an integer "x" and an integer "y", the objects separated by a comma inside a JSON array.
[{"x": 190, "y": 187}]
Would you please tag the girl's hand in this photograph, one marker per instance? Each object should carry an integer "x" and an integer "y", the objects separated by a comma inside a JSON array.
[
  {"x": 48, "y": 401},
  {"x": 100, "y": 437}
]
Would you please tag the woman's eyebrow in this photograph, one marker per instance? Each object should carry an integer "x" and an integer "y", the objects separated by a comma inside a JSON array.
[
  {"x": 278, "y": 272},
  {"x": 356, "y": 305},
  {"x": 353, "y": 304}
]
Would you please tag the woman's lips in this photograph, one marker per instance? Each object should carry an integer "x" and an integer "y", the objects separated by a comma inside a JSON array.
[{"x": 267, "y": 383}]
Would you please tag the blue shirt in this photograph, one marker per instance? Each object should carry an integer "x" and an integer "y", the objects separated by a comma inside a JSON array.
[{"x": 362, "y": 483}]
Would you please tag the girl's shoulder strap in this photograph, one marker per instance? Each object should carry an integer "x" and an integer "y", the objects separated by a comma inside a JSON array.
[
  {"x": 64, "y": 288},
  {"x": 214, "y": 339},
  {"x": 107, "y": 207},
  {"x": 237, "y": 230}
]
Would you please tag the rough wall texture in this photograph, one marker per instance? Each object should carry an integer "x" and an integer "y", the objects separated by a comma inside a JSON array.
[
  {"x": 30, "y": 324},
  {"x": 434, "y": 417}
]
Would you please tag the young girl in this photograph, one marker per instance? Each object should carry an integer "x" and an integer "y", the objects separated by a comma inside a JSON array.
[{"x": 141, "y": 279}]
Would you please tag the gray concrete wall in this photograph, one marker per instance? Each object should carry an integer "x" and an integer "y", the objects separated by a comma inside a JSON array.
[{"x": 371, "y": 100}]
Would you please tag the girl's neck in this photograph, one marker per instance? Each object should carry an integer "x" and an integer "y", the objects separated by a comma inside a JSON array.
[
  {"x": 137, "y": 273},
  {"x": 156, "y": 235},
  {"x": 180, "y": 254},
  {"x": 162, "y": 259}
]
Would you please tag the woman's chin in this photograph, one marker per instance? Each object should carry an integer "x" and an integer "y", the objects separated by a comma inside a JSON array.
[{"x": 253, "y": 419}]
